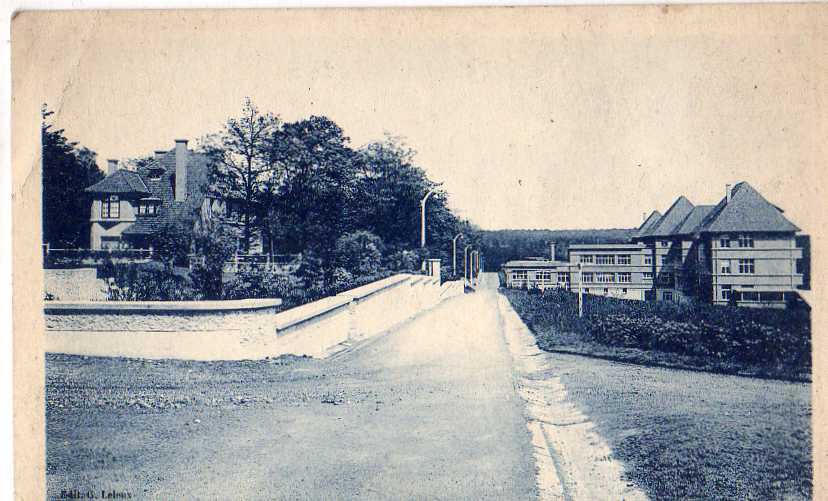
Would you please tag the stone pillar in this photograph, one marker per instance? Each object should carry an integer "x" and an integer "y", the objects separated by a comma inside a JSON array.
[{"x": 433, "y": 268}]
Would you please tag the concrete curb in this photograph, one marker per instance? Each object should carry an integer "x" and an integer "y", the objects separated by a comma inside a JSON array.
[{"x": 573, "y": 461}]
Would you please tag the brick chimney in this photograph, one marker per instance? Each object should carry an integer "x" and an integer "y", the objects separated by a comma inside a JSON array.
[
  {"x": 111, "y": 166},
  {"x": 181, "y": 154},
  {"x": 552, "y": 250},
  {"x": 727, "y": 193}
]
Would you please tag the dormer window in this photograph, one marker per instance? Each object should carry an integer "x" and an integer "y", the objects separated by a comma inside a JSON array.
[
  {"x": 111, "y": 207},
  {"x": 156, "y": 172},
  {"x": 148, "y": 207}
]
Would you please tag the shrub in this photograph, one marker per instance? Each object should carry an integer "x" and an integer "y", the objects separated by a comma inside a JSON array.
[
  {"x": 212, "y": 251},
  {"x": 150, "y": 283},
  {"x": 743, "y": 336},
  {"x": 359, "y": 252}
]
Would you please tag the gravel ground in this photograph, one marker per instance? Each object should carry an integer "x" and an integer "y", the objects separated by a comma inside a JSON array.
[
  {"x": 694, "y": 435},
  {"x": 426, "y": 412}
]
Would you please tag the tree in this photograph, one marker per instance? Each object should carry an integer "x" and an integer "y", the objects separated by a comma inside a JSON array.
[
  {"x": 172, "y": 242},
  {"x": 359, "y": 253},
  {"x": 67, "y": 171},
  {"x": 241, "y": 163},
  {"x": 314, "y": 196},
  {"x": 213, "y": 249}
]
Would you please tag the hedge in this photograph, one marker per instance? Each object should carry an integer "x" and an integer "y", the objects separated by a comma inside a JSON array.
[{"x": 777, "y": 341}]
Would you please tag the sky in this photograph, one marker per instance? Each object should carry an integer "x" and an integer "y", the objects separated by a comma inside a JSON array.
[{"x": 558, "y": 118}]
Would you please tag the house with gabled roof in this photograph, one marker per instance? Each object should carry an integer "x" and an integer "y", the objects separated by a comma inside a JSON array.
[
  {"x": 129, "y": 206},
  {"x": 741, "y": 251}
]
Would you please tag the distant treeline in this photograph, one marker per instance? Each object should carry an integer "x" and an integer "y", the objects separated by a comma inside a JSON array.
[{"x": 499, "y": 246}]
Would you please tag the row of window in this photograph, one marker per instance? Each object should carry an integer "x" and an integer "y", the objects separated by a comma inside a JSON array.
[
  {"x": 618, "y": 259},
  {"x": 728, "y": 293},
  {"x": 744, "y": 241},
  {"x": 605, "y": 259},
  {"x": 606, "y": 278},
  {"x": 542, "y": 275},
  {"x": 746, "y": 267},
  {"x": 593, "y": 277},
  {"x": 111, "y": 207}
]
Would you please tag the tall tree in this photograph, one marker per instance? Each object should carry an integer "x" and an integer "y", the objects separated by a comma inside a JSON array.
[
  {"x": 67, "y": 171},
  {"x": 241, "y": 163},
  {"x": 393, "y": 186},
  {"x": 313, "y": 198}
]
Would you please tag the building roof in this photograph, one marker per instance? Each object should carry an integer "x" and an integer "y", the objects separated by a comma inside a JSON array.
[
  {"x": 671, "y": 220},
  {"x": 120, "y": 182},
  {"x": 692, "y": 223},
  {"x": 608, "y": 246},
  {"x": 747, "y": 211},
  {"x": 157, "y": 177},
  {"x": 530, "y": 263},
  {"x": 648, "y": 223}
]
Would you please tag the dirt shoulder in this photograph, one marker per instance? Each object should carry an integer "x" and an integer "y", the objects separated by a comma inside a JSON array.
[{"x": 692, "y": 435}]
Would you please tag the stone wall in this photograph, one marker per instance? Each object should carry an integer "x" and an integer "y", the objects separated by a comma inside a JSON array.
[
  {"x": 234, "y": 330},
  {"x": 78, "y": 284}
]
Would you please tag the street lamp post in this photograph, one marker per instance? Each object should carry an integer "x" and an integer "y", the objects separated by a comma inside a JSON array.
[
  {"x": 466, "y": 262},
  {"x": 422, "y": 217},
  {"x": 454, "y": 254},
  {"x": 474, "y": 267},
  {"x": 580, "y": 290}
]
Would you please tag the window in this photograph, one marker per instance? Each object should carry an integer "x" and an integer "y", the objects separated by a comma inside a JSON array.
[
  {"x": 747, "y": 266},
  {"x": 544, "y": 275},
  {"x": 605, "y": 278},
  {"x": 664, "y": 243},
  {"x": 111, "y": 207},
  {"x": 745, "y": 240},
  {"x": 587, "y": 277},
  {"x": 724, "y": 242},
  {"x": 725, "y": 267},
  {"x": 665, "y": 279},
  {"x": 624, "y": 290},
  {"x": 771, "y": 296},
  {"x": 110, "y": 242},
  {"x": 665, "y": 260},
  {"x": 726, "y": 292},
  {"x": 519, "y": 275},
  {"x": 604, "y": 259},
  {"x": 748, "y": 296},
  {"x": 648, "y": 275},
  {"x": 586, "y": 258},
  {"x": 625, "y": 277},
  {"x": 668, "y": 295},
  {"x": 563, "y": 277},
  {"x": 624, "y": 259},
  {"x": 648, "y": 259},
  {"x": 147, "y": 208}
]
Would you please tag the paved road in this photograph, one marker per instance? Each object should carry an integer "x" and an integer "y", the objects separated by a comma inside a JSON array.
[{"x": 429, "y": 411}]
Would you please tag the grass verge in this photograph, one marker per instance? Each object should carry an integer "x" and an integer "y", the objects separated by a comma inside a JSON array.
[{"x": 729, "y": 340}]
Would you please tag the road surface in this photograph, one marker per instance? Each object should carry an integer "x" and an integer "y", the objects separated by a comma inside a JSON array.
[{"x": 443, "y": 407}]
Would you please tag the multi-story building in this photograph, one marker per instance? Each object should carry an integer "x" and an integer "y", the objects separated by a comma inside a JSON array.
[
  {"x": 617, "y": 270},
  {"x": 740, "y": 251},
  {"x": 533, "y": 273},
  {"x": 129, "y": 206}
]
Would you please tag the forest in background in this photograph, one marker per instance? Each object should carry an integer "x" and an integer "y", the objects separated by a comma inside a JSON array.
[{"x": 499, "y": 246}]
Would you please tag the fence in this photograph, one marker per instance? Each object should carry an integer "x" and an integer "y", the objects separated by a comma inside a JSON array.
[
  {"x": 69, "y": 258},
  {"x": 243, "y": 262}
]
